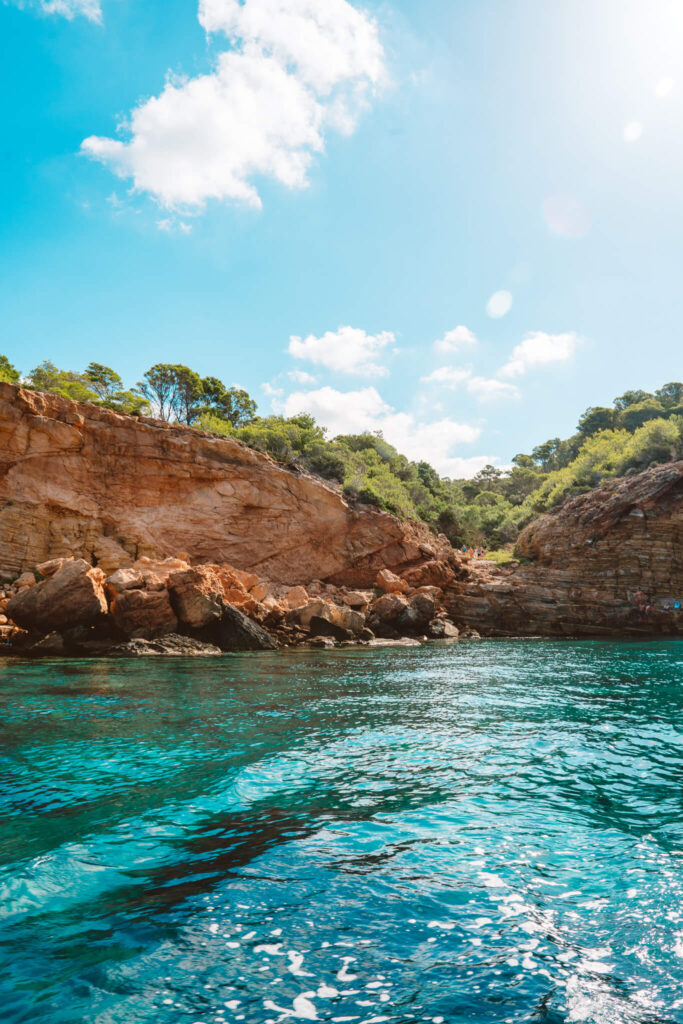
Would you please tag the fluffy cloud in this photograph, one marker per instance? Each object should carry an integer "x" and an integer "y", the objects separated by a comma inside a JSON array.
[
  {"x": 487, "y": 389},
  {"x": 326, "y": 43},
  {"x": 301, "y": 377},
  {"x": 347, "y": 350},
  {"x": 483, "y": 388},
  {"x": 366, "y": 410},
  {"x": 455, "y": 340},
  {"x": 540, "y": 349},
  {"x": 448, "y": 376},
  {"x": 295, "y": 68}
]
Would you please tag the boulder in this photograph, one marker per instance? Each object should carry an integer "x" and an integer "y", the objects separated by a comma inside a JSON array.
[
  {"x": 390, "y": 583},
  {"x": 235, "y": 632},
  {"x": 124, "y": 579},
  {"x": 432, "y": 574},
  {"x": 385, "y": 613},
  {"x": 347, "y": 618},
  {"x": 296, "y": 597},
  {"x": 389, "y": 607},
  {"x": 47, "y": 569},
  {"x": 144, "y": 613},
  {"x": 416, "y": 617},
  {"x": 322, "y": 627},
  {"x": 318, "y": 607},
  {"x": 27, "y": 579},
  {"x": 442, "y": 629},
  {"x": 73, "y": 596},
  {"x": 197, "y": 596},
  {"x": 322, "y": 642},
  {"x": 357, "y": 598},
  {"x": 262, "y": 591}
]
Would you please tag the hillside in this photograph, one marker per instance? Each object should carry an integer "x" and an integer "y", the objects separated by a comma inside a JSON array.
[{"x": 640, "y": 429}]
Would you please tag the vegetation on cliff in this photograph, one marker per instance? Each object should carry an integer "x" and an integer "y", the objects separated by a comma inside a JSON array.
[{"x": 638, "y": 430}]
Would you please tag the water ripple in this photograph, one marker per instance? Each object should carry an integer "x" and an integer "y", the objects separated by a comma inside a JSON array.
[{"x": 484, "y": 832}]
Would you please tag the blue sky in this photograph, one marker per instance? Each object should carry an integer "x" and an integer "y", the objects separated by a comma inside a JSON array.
[{"x": 458, "y": 222}]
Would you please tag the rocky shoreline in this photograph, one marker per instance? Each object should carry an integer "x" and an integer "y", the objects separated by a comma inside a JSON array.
[
  {"x": 93, "y": 503},
  {"x": 67, "y": 607}
]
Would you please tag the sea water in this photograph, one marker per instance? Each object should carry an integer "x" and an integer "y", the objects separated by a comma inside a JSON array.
[{"x": 484, "y": 832}]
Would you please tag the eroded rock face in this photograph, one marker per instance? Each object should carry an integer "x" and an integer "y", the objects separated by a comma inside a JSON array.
[
  {"x": 609, "y": 562},
  {"x": 143, "y": 614},
  {"x": 79, "y": 481},
  {"x": 72, "y": 596}
]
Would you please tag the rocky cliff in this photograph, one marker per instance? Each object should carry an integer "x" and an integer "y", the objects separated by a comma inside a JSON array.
[
  {"x": 80, "y": 481},
  {"x": 607, "y": 562}
]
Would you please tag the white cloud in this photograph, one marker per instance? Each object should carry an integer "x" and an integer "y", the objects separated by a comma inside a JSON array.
[
  {"x": 326, "y": 43},
  {"x": 483, "y": 388},
  {"x": 488, "y": 390},
  {"x": 452, "y": 341},
  {"x": 499, "y": 304},
  {"x": 448, "y": 376},
  {"x": 296, "y": 68},
  {"x": 90, "y": 9},
  {"x": 365, "y": 410},
  {"x": 301, "y": 377},
  {"x": 540, "y": 349},
  {"x": 346, "y": 350},
  {"x": 271, "y": 391}
]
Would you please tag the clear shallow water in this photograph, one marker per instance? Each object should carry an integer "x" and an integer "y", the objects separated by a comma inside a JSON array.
[{"x": 487, "y": 832}]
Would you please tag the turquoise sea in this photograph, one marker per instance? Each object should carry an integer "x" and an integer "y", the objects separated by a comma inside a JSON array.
[{"x": 482, "y": 832}]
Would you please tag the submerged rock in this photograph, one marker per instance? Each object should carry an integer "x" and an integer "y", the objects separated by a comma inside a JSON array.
[{"x": 172, "y": 645}]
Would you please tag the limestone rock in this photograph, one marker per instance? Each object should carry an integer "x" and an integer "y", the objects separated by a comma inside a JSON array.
[
  {"x": 322, "y": 627},
  {"x": 385, "y": 613},
  {"x": 357, "y": 598},
  {"x": 124, "y": 579},
  {"x": 47, "y": 569},
  {"x": 296, "y": 597},
  {"x": 389, "y": 608},
  {"x": 197, "y": 596},
  {"x": 390, "y": 583},
  {"x": 143, "y": 613},
  {"x": 442, "y": 629},
  {"x": 235, "y": 632},
  {"x": 74, "y": 595},
  {"x": 435, "y": 573},
  {"x": 419, "y": 612}
]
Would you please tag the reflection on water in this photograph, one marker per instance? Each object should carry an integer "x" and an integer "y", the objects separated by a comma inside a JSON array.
[{"x": 486, "y": 832}]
